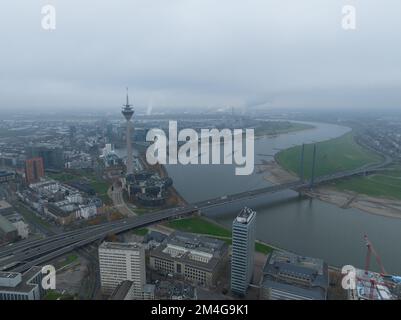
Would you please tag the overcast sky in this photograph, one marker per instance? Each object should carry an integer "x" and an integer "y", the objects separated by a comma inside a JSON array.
[{"x": 200, "y": 53}]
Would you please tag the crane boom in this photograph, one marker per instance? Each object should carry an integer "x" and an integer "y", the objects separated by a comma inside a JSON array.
[{"x": 371, "y": 250}]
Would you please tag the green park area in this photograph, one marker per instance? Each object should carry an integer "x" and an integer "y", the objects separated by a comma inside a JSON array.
[
  {"x": 341, "y": 154},
  {"x": 55, "y": 295},
  {"x": 69, "y": 260},
  {"x": 202, "y": 226},
  {"x": 386, "y": 184},
  {"x": 332, "y": 156}
]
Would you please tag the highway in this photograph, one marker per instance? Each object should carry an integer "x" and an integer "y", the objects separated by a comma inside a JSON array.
[{"x": 21, "y": 256}]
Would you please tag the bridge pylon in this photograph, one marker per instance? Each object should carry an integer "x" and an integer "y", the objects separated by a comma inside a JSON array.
[
  {"x": 312, "y": 180},
  {"x": 301, "y": 165}
]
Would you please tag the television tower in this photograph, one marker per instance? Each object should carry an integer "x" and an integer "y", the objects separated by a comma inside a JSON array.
[{"x": 128, "y": 112}]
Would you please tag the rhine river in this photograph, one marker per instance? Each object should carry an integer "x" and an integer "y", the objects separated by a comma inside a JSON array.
[{"x": 305, "y": 226}]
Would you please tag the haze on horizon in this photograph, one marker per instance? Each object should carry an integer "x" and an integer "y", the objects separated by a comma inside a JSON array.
[{"x": 200, "y": 53}]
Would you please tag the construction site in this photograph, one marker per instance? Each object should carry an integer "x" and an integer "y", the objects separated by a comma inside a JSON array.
[{"x": 369, "y": 285}]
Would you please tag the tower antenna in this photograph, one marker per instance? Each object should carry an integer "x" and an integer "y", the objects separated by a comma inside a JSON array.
[{"x": 128, "y": 112}]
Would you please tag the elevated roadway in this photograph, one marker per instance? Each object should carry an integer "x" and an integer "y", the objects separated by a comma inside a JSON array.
[{"x": 20, "y": 257}]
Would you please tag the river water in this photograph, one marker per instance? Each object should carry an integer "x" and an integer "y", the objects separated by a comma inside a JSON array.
[{"x": 306, "y": 226}]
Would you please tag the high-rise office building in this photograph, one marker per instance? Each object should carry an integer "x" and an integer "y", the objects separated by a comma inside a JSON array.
[
  {"x": 34, "y": 170},
  {"x": 52, "y": 155},
  {"x": 119, "y": 262},
  {"x": 243, "y": 247}
]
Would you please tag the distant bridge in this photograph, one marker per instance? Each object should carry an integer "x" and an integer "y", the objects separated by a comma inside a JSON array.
[{"x": 22, "y": 255}]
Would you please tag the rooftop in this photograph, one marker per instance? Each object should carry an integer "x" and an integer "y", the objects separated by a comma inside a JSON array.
[
  {"x": 24, "y": 286},
  {"x": 200, "y": 243},
  {"x": 120, "y": 246},
  {"x": 6, "y": 173},
  {"x": 4, "y": 205},
  {"x": 190, "y": 245},
  {"x": 6, "y": 226},
  {"x": 172, "y": 289},
  {"x": 245, "y": 215},
  {"x": 8, "y": 275},
  {"x": 297, "y": 274}
]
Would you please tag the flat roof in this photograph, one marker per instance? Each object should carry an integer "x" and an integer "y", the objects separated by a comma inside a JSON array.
[
  {"x": 8, "y": 275},
  {"x": 24, "y": 286},
  {"x": 189, "y": 241},
  {"x": 194, "y": 242},
  {"x": 296, "y": 274},
  {"x": 6, "y": 173},
  {"x": 245, "y": 215},
  {"x": 120, "y": 246},
  {"x": 313, "y": 293},
  {"x": 4, "y": 205},
  {"x": 6, "y": 226}
]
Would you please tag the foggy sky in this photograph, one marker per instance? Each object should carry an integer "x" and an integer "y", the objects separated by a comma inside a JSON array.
[{"x": 200, "y": 53}]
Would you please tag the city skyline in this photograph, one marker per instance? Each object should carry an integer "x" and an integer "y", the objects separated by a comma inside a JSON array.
[{"x": 172, "y": 153}]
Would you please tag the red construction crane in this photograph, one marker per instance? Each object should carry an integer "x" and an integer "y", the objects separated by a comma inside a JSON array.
[
  {"x": 373, "y": 282},
  {"x": 368, "y": 255}
]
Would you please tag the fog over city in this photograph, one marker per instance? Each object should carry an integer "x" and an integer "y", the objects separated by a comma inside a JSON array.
[
  {"x": 199, "y": 157},
  {"x": 200, "y": 53}
]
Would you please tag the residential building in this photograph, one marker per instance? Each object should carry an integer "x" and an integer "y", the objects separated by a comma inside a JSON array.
[
  {"x": 6, "y": 176},
  {"x": 34, "y": 170},
  {"x": 120, "y": 262},
  {"x": 52, "y": 155},
  {"x": 171, "y": 289},
  {"x": 243, "y": 248},
  {"x": 5, "y": 208},
  {"x": 18, "y": 222},
  {"x": 287, "y": 276},
  {"x": 8, "y": 232},
  {"x": 61, "y": 202}
]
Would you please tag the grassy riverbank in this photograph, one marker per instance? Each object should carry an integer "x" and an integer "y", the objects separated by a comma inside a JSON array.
[
  {"x": 203, "y": 226},
  {"x": 386, "y": 184},
  {"x": 335, "y": 155},
  {"x": 341, "y": 154},
  {"x": 199, "y": 225}
]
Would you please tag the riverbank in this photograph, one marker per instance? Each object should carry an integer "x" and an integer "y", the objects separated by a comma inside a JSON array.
[
  {"x": 348, "y": 199},
  {"x": 342, "y": 198},
  {"x": 334, "y": 155},
  {"x": 208, "y": 227},
  {"x": 274, "y": 173},
  {"x": 273, "y": 128}
]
